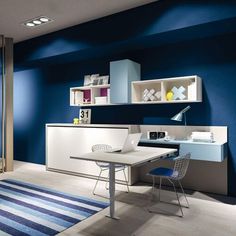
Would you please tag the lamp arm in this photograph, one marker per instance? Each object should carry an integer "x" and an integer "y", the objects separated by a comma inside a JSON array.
[
  {"x": 185, "y": 109},
  {"x": 185, "y": 119}
]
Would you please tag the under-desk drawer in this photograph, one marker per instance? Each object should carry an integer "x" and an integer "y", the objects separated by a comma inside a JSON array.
[{"x": 204, "y": 152}]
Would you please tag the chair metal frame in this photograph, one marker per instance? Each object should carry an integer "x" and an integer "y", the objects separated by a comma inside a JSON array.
[
  {"x": 105, "y": 166},
  {"x": 179, "y": 171}
]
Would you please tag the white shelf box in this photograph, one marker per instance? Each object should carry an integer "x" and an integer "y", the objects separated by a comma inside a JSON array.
[
  {"x": 191, "y": 84},
  {"x": 186, "y": 89},
  {"x": 85, "y": 95},
  {"x": 146, "y": 92}
]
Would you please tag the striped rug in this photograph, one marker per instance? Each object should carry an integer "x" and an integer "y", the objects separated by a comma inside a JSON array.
[{"x": 27, "y": 209}]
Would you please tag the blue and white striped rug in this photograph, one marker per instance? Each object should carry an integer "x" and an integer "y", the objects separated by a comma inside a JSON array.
[{"x": 27, "y": 209}]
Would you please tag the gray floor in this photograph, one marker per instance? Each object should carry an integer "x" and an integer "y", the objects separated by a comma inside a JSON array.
[{"x": 208, "y": 214}]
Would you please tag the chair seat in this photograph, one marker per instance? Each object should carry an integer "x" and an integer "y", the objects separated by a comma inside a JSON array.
[{"x": 164, "y": 172}]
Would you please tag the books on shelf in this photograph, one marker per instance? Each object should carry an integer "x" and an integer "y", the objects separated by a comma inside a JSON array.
[
  {"x": 192, "y": 91},
  {"x": 78, "y": 97},
  {"x": 202, "y": 136}
]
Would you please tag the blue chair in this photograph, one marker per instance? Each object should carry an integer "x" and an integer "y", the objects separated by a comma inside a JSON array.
[
  {"x": 105, "y": 166},
  {"x": 172, "y": 175}
]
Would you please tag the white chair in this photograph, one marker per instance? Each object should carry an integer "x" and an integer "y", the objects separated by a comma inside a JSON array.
[
  {"x": 105, "y": 166},
  {"x": 172, "y": 175}
]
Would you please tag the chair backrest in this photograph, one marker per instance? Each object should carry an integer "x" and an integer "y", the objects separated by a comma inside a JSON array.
[
  {"x": 101, "y": 148},
  {"x": 181, "y": 165}
]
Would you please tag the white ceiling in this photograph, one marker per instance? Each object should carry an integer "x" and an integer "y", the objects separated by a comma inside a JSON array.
[{"x": 65, "y": 13}]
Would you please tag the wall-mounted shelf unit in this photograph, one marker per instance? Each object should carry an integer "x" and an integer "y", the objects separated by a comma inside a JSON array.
[
  {"x": 94, "y": 95},
  {"x": 181, "y": 90}
]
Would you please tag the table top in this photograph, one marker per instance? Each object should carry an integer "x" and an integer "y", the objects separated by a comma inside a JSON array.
[{"x": 133, "y": 158}]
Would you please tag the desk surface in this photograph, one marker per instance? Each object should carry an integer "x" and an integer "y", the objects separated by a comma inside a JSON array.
[
  {"x": 176, "y": 141},
  {"x": 137, "y": 157}
]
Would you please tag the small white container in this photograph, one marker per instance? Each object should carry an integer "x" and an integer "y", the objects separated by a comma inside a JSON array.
[{"x": 101, "y": 100}]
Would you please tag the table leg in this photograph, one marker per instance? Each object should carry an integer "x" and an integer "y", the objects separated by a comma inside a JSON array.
[{"x": 112, "y": 191}]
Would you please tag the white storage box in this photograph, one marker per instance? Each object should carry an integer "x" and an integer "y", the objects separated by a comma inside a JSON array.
[{"x": 101, "y": 100}]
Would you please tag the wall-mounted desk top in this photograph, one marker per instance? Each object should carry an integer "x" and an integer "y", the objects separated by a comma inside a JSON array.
[
  {"x": 179, "y": 141},
  {"x": 204, "y": 151}
]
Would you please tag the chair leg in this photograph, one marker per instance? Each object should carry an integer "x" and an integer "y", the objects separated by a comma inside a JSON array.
[
  {"x": 153, "y": 184},
  {"x": 160, "y": 189},
  {"x": 107, "y": 181},
  {"x": 184, "y": 193},
  {"x": 177, "y": 197},
  {"x": 126, "y": 181},
  {"x": 153, "y": 188},
  {"x": 97, "y": 181}
]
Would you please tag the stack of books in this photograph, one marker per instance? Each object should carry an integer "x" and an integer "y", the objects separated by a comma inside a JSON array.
[{"x": 202, "y": 137}]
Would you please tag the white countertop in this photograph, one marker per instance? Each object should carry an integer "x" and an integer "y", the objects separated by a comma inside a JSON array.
[
  {"x": 88, "y": 125},
  {"x": 136, "y": 129},
  {"x": 176, "y": 141}
]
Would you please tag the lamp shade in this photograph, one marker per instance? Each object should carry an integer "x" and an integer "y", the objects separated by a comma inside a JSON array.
[{"x": 179, "y": 116}]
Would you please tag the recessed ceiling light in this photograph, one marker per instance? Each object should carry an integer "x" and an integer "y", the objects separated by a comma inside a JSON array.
[
  {"x": 44, "y": 19},
  {"x": 41, "y": 20},
  {"x": 37, "y": 22},
  {"x": 30, "y": 24}
]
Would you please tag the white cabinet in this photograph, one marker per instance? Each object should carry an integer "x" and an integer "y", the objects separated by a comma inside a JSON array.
[
  {"x": 169, "y": 90},
  {"x": 63, "y": 142},
  {"x": 90, "y": 95}
]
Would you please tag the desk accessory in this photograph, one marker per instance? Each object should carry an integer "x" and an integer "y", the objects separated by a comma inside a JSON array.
[
  {"x": 178, "y": 93},
  {"x": 87, "y": 80},
  {"x": 179, "y": 116},
  {"x": 152, "y": 135},
  {"x": 85, "y": 116},
  {"x": 169, "y": 95},
  {"x": 76, "y": 121},
  {"x": 161, "y": 134}
]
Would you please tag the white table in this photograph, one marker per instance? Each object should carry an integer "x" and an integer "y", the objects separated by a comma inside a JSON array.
[{"x": 140, "y": 156}]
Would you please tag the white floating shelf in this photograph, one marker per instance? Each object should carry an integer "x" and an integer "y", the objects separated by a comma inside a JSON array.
[{"x": 189, "y": 89}]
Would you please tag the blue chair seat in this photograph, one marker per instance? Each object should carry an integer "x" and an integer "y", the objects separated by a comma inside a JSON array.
[{"x": 165, "y": 172}]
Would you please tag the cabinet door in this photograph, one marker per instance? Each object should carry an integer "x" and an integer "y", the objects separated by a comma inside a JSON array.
[
  {"x": 204, "y": 152},
  {"x": 122, "y": 73},
  {"x": 63, "y": 142}
]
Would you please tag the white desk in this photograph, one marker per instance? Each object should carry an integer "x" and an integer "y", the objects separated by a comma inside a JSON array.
[{"x": 138, "y": 157}]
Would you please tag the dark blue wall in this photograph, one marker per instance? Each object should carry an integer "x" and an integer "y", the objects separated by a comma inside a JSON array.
[{"x": 41, "y": 92}]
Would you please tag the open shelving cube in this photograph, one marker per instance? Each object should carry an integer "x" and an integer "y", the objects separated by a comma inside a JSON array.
[
  {"x": 139, "y": 90},
  {"x": 89, "y": 95},
  {"x": 191, "y": 84}
]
